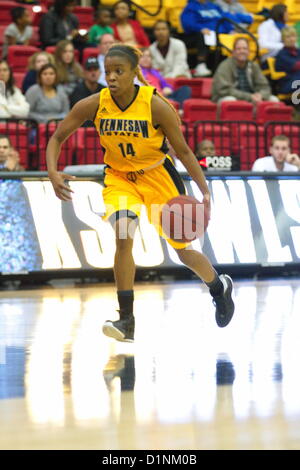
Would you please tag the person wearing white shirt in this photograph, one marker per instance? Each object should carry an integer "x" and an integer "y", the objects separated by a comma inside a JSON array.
[
  {"x": 280, "y": 159},
  {"x": 169, "y": 55},
  {"x": 105, "y": 43},
  {"x": 12, "y": 102},
  {"x": 269, "y": 31}
]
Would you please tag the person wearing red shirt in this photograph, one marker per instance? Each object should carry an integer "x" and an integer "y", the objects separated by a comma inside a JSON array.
[{"x": 126, "y": 30}]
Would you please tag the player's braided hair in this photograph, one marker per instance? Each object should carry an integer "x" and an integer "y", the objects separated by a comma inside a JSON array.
[{"x": 133, "y": 55}]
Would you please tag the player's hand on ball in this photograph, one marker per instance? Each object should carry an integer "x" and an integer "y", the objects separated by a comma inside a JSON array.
[{"x": 60, "y": 185}]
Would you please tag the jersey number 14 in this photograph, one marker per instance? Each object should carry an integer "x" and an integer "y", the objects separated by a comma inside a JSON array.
[{"x": 127, "y": 149}]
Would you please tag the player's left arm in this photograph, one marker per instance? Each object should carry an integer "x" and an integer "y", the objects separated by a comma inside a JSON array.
[{"x": 165, "y": 117}]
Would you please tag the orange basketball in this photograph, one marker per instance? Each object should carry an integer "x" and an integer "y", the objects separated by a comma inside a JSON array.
[{"x": 183, "y": 219}]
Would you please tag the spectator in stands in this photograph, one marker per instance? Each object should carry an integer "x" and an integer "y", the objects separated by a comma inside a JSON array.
[
  {"x": 12, "y": 102},
  {"x": 281, "y": 158},
  {"x": 233, "y": 6},
  {"x": 155, "y": 79},
  {"x": 89, "y": 85},
  {"x": 238, "y": 78},
  {"x": 200, "y": 18},
  {"x": 60, "y": 23},
  {"x": 288, "y": 60},
  {"x": 126, "y": 30},
  {"x": 19, "y": 31},
  {"x": 69, "y": 71},
  {"x": 47, "y": 99},
  {"x": 169, "y": 55},
  {"x": 105, "y": 43},
  {"x": 9, "y": 157},
  {"x": 205, "y": 148},
  {"x": 269, "y": 31},
  {"x": 102, "y": 25},
  {"x": 36, "y": 61}
]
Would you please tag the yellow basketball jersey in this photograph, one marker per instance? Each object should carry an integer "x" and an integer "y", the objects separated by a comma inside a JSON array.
[{"x": 130, "y": 141}]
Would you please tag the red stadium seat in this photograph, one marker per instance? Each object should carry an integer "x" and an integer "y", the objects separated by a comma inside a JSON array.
[
  {"x": 85, "y": 16},
  {"x": 88, "y": 149},
  {"x": 196, "y": 85},
  {"x": 267, "y": 111},
  {"x": 66, "y": 156},
  {"x": 2, "y": 28},
  {"x": 19, "y": 77},
  {"x": 236, "y": 111},
  {"x": 197, "y": 109},
  {"x": 35, "y": 38},
  {"x": 51, "y": 50},
  {"x": 89, "y": 52},
  {"x": 206, "y": 88},
  {"x": 171, "y": 81},
  {"x": 18, "y": 56},
  {"x": 5, "y": 8},
  {"x": 219, "y": 134},
  {"x": 175, "y": 104},
  {"x": 249, "y": 144}
]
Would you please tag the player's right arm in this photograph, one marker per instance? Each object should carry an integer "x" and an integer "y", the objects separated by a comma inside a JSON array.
[{"x": 82, "y": 111}]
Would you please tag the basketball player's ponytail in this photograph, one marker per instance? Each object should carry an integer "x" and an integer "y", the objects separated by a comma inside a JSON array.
[{"x": 134, "y": 55}]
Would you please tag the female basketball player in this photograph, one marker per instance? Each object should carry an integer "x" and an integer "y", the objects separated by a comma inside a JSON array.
[{"x": 132, "y": 123}]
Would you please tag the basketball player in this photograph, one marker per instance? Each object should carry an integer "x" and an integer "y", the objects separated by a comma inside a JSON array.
[{"x": 133, "y": 123}]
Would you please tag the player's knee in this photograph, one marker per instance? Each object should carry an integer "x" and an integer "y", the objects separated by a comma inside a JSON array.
[
  {"x": 185, "y": 256},
  {"x": 124, "y": 244}
]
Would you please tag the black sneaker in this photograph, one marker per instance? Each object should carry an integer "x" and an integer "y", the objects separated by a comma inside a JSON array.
[
  {"x": 224, "y": 303},
  {"x": 121, "y": 330}
]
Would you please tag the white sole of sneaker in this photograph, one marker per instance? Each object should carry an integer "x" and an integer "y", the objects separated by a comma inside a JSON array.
[{"x": 109, "y": 330}]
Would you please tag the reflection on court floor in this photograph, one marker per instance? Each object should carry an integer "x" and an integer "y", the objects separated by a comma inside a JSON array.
[{"x": 184, "y": 384}]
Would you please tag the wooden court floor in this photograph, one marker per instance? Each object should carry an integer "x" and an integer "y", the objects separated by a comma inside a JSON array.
[{"x": 184, "y": 384}]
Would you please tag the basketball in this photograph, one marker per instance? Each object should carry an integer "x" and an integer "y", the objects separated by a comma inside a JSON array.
[{"x": 184, "y": 219}]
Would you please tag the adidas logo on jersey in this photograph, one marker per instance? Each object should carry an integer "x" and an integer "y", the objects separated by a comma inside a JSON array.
[{"x": 103, "y": 110}]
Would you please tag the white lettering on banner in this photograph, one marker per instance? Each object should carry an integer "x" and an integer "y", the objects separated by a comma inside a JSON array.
[
  {"x": 147, "y": 248},
  {"x": 229, "y": 230},
  {"x": 276, "y": 253},
  {"x": 55, "y": 244},
  {"x": 290, "y": 193},
  {"x": 230, "y": 222},
  {"x": 219, "y": 162},
  {"x": 98, "y": 243}
]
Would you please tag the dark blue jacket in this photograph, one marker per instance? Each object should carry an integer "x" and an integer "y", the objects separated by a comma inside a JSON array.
[
  {"x": 285, "y": 61},
  {"x": 29, "y": 80},
  {"x": 197, "y": 16}
]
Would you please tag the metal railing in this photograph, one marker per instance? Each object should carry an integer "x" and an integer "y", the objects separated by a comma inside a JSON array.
[{"x": 244, "y": 140}]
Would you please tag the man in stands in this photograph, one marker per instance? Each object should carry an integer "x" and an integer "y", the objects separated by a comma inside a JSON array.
[
  {"x": 280, "y": 159},
  {"x": 9, "y": 157},
  {"x": 238, "y": 78},
  {"x": 105, "y": 43}
]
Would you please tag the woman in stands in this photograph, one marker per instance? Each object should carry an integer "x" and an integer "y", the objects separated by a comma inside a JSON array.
[
  {"x": 59, "y": 23},
  {"x": 47, "y": 99},
  {"x": 269, "y": 32},
  {"x": 126, "y": 30},
  {"x": 35, "y": 63},
  {"x": 69, "y": 71},
  {"x": 12, "y": 102}
]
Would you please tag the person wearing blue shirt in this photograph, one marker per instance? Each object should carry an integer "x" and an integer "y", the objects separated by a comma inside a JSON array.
[
  {"x": 288, "y": 61},
  {"x": 200, "y": 17}
]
